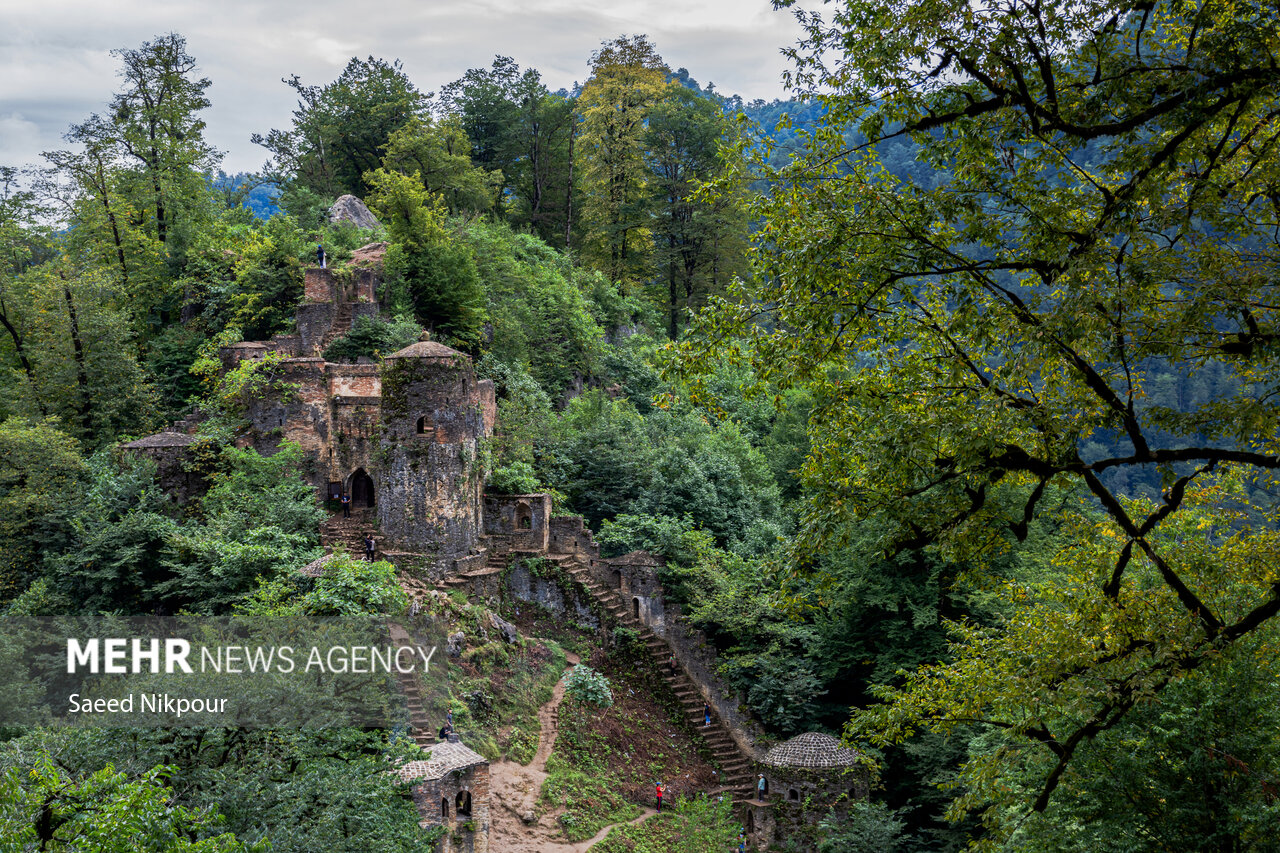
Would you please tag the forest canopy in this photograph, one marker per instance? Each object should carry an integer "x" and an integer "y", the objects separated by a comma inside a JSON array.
[{"x": 945, "y": 391}]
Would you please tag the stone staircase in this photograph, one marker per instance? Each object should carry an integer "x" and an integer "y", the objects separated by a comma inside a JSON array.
[
  {"x": 189, "y": 423},
  {"x": 348, "y": 534},
  {"x": 420, "y": 728},
  {"x": 494, "y": 564},
  {"x": 342, "y": 322},
  {"x": 735, "y": 768}
]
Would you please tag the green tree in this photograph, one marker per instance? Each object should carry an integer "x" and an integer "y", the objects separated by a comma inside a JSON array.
[
  {"x": 438, "y": 152},
  {"x": 41, "y": 472},
  {"x": 156, "y": 123},
  {"x": 435, "y": 272},
  {"x": 1101, "y": 214},
  {"x": 699, "y": 237},
  {"x": 516, "y": 126},
  {"x": 628, "y": 78},
  {"x": 46, "y": 808},
  {"x": 339, "y": 130},
  {"x": 80, "y": 350},
  {"x": 22, "y": 241}
]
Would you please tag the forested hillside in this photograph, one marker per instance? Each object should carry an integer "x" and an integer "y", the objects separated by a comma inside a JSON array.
[{"x": 945, "y": 390}]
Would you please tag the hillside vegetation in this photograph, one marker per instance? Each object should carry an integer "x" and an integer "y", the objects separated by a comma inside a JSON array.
[{"x": 946, "y": 391}]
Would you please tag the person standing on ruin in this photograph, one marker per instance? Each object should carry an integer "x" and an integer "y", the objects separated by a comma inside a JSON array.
[
  {"x": 346, "y": 504},
  {"x": 320, "y": 256}
]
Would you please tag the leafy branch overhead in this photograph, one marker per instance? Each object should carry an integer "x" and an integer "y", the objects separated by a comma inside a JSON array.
[{"x": 1103, "y": 216}]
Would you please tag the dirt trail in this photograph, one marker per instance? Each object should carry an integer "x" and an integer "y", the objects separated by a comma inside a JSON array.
[{"x": 515, "y": 822}]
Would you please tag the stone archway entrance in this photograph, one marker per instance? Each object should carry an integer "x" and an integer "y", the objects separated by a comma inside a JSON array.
[{"x": 360, "y": 487}]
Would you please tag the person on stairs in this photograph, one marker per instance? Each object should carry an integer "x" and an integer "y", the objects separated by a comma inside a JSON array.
[
  {"x": 370, "y": 547},
  {"x": 706, "y": 714},
  {"x": 346, "y": 504}
]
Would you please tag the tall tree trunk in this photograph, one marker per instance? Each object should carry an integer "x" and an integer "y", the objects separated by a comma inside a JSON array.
[
  {"x": 162, "y": 227},
  {"x": 568, "y": 193},
  {"x": 672, "y": 290},
  {"x": 101, "y": 180},
  {"x": 77, "y": 347},
  {"x": 22, "y": 358}
]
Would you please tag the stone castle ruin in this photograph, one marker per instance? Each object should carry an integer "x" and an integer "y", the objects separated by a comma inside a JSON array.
[{"x": 405, "y": 439}]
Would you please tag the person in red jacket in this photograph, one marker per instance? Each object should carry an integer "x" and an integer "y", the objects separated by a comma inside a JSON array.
[{"x": 657, "y": 789}]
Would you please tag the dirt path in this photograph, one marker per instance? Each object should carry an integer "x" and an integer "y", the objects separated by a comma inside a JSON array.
[{"x": 515, "y": 824}]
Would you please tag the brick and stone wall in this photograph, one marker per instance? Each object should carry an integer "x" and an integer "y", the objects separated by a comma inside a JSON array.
[
  {"x": 569, "y": 535},
  {"x": 430, "y": 479},
  {"x": 451, "y": 789},
  {"x": 171, "y": 452},
  {"x": 518, "y": 522},
  {"x": 554, "y": 593}
]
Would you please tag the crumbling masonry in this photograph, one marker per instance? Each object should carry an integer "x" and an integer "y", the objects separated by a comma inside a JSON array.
[{"x": 405, "y": 439}]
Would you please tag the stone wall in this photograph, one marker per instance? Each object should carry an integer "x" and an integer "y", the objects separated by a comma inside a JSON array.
[
  {"x": 327, "y": 285},
  {"x": 429, "y": 479},
  {"x": 437, "y": 801},
  {"x": 314, "y": 319},
  {"x": 171, "y": 453},
  {"x": 798, "y": 799},
  {"x": 635, "y": 578},
  {"x": 355, "y": 399},
  {"x": 553, "y": 592},
  {"x": 517, "y": 522},
  {"x": 568, "y": 535},
  {"x": 295, "y": 408}
]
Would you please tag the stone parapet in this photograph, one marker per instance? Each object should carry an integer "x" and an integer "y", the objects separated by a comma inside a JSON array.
[{"x": 518, "y": 522}]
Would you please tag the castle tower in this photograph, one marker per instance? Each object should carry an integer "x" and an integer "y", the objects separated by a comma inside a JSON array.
[{"x": 430, "y": 478}]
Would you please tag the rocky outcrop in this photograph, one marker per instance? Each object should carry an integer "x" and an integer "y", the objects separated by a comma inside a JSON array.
[
  {"x": 350, "y": 209},
  {"x": 371, "y": 255}
]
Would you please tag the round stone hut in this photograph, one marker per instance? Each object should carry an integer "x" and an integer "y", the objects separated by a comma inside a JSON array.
[{"x": 807, "y": 778}]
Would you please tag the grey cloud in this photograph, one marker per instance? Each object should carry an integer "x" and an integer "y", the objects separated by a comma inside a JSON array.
[{"x": 55, "y": 66}]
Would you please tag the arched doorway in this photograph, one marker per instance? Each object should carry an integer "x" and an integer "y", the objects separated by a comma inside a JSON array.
[
  {"x": 751, "y": 822},
  {"x": 635, "y": 607},
  {"x": 360, "y": 487},
  {"x": 463, "y": 804},
  {"x": 524, "y": 516}
]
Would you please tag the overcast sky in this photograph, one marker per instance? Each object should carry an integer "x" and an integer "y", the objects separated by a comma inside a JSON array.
[{"x": 56, "y": 67}]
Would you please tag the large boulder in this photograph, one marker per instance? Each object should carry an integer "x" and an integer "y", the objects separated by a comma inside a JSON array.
[
  {"x": 371, "y": 255},
  {"x": 348, "y": 208},
  {"x": 510, "y": 635}
]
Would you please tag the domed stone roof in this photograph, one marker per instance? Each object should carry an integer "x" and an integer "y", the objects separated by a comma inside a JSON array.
[
  {"x": 426, "y": 349},
  {"x": 811, "y": 749},
  {"x": 442, "y": 758}
]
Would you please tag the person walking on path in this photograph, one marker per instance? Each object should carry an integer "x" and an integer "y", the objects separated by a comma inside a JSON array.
[
  {"x": 320, "y": 256},
  {"x": 657, "y": 789},
  {"x": 706, "y": 714},
  {"x": 346, "y": 505},
  {"x": 370, "y": 547}
]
